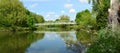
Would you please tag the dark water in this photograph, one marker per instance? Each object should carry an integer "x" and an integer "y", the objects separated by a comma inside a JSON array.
[{"x": 44, "y": 42}]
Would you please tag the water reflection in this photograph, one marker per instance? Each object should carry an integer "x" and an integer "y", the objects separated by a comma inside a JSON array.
[
  {"x": 17, "y": 42},
  {"x": 44, "y": 42},
  {"x": 85, "y": 37},
  {"x": 72, "y": 43},
  {"x": 57, "y": 42}
]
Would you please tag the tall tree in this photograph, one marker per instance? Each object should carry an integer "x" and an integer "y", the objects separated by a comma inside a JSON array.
[
  {"x": 14, "y": 14},
  {"x": 114, "y": 14},
  {"x": 101, "y": 8},
  {"x": 85, "y": 21}
]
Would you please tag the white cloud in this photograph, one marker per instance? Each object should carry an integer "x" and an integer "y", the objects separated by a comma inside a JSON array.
[
  {"x": 56, "y": 15},
  {"x": 83, "y": 1},
  {"x": 68, "y": 5},
  {"x": 72, "y": 11},
  {"x": 62, "y": 11},
  {"x": 49, "y": 14},
  {"x": 34, "y": 5}
]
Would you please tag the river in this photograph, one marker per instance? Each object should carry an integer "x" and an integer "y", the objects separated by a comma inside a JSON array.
[{"x": 44, "y": 42}]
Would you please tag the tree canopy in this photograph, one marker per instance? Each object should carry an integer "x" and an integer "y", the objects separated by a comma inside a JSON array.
[
  {"x": 85, "y": 19},
  {"x": 63, "y": 18},
  {"x": 39, "y": 18},
  {"x": 13, "y": 14},
  {"x": 101, "y": 9}
]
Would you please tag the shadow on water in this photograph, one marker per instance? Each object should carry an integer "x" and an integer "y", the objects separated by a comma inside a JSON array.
[{"x": 17, "y": 42}]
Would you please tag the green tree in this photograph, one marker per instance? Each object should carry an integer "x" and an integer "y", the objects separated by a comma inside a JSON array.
[
  {"x": 64, "y": 18},
  {"x": 85, "y": 19},
  {"x": 13, "y": 14},
  {"x": 101, "y": 9},
  {"x": 39, "y": 18},
  {"x": 31, "y": 22}
]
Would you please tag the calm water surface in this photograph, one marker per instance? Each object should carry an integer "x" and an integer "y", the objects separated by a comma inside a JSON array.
[{"x": 43, "y": 42}]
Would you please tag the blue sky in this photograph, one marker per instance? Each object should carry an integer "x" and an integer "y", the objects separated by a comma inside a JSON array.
[{"x": 52, "y": 9}]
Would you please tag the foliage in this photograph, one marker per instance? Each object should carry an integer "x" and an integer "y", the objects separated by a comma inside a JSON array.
[
  {"x": 31, "y": 22},
  {"x": 38, "y": 18},
  {"x": 13, "y": 14},
  {"x": 85, "y": 19},
  {"x": 101, "y": 8},
  {"x": 107, "y": 42},
  {"x": 63, "y": 18}
]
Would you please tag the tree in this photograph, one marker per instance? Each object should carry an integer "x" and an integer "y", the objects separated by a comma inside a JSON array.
[
  {"x": 64, "y": 18},
  {"x": 39, "y": 18},
  {"x": 114, "y": 15},
  {"x": 101, "y": 9},
  {"x": 85, "y": 19},
  {"x": 14, "y": 14}
]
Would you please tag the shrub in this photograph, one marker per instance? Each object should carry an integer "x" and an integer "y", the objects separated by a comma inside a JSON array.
[{"x": 107, "y": 42}]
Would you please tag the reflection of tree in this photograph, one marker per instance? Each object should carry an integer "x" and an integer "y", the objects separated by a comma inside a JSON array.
[
  {"x": 71, "y": 43},
  {"x": 17, "y": 42},
  {"x": 84, "y": 37}
]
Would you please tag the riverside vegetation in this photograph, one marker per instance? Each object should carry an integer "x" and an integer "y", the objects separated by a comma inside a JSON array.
[
  {"x": 107, "y": 41},
  {"x": 95, "y": 24},
  {"x": 14, "y": 16}
]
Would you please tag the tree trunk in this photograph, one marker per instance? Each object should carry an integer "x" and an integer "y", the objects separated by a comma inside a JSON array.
[{"x": 113, "y": 15}]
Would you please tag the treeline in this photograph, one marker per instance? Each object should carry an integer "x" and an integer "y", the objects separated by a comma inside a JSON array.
[
  {"x": 63, "y": 18},
  {"x": 59, "y": 27},
  {"x": 13, "y": 14},
  {"x": 106, "y": 40},
  {"x": 85, "y": 20},
  {"x": 97, "y": 18}
]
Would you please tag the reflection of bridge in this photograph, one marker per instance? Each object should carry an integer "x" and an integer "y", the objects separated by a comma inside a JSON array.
[{"x": 56, "y": 23}]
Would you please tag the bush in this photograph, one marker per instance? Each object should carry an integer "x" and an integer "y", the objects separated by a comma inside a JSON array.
[{"x": 107, "y": 42}]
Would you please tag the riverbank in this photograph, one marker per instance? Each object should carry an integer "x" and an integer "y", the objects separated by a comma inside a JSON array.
[{"x": 9, "y": 29}]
